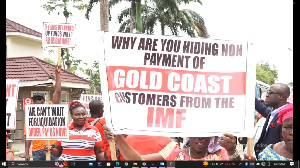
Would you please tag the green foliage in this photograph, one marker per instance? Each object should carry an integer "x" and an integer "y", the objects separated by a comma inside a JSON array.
[
  {"x": 265, "y": 73},
  {"x": 49, "y": 60},
  {"x": 15, "y": 150},
  {"x": 53, "y": 4},
  {"x": 94, "y": 76},
  {"x": 69, "y": 60},
  {"x": 167, "y": 13}
]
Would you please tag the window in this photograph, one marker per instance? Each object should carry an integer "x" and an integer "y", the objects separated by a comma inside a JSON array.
[{"x": 64, "y": 98}]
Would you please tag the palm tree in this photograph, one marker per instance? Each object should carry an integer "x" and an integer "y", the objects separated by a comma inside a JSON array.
[
  {"x": 168, "y": 15},
  {"x": 104, "y": 13},
  {"x": 135, "y": 16}
]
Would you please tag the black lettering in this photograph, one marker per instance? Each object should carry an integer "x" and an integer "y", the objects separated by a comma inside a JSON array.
[
  {"x": 8, "y": 117},
  {"x": 166, "y": 60},
  {"x": 116, "y": 42}
]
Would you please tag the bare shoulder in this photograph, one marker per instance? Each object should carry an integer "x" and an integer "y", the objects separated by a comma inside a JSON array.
[{"x": 277, "y": 147}]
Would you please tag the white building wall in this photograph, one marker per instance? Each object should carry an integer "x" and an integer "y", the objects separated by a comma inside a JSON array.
[{"x": 21, "y": 47}]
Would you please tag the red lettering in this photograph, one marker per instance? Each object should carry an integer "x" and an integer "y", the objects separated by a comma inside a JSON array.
[
  {"x": 31, "y": 131},
  {"x": 45, "y": 131},
  {"x": 164, "y": 116},
  {"x": 179, "y": 117},
  {"x": 64, "y": 132},
  {"x": 37, "y": 132},
  {"x": 10, "y": 90},
  {"x": 58, "y": 132},
  {"x": 150, "y": 117}
]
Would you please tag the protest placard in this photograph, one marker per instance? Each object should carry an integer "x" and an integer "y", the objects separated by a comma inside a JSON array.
[
  {"x": 47, "y": 121},
  {"x": 12, "y": 89},
  {"x": 176, "y": 86},
  {"x": 58, "y": 35},
  {"x": 90, "y": 97},
  {"x": 85, "y": 99}
]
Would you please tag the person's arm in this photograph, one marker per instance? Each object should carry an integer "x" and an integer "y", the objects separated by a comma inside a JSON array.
[
  {"x": 27, "y": 147},
  {"x": 56, "y": 151},
  {"x": 228, "y": 142},
  {"x": 248, "y": 158},
  {"x": 262, "y": 108},
  {"x": 57, "y": 92},
  {"x": 127, "y": 151},
  {"x": 99, "y": 153}
]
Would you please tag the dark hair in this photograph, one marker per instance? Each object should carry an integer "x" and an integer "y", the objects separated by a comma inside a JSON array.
[
  {"x": 95, "y": 106},
  {"x": 74, "y": 105},
  {"x": 38, "y": 96}
]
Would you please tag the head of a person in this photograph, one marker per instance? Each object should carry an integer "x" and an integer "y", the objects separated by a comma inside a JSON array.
[
  {"x": 78, "y": 113},
  {"x": 38, "y": 98},
  {"x": 200, "y": 144},
  {"x": 277, "y": 95},
  {"x": 7, "y": 136},
  {"x": 96, "y": 108},
  {"x": 285, "y": 118}
]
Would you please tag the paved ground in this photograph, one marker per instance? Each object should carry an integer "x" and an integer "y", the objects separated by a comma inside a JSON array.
[{"x": 19, "y": 155}]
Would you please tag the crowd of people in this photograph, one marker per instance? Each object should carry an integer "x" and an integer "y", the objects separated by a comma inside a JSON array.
[{"x": 89, "y": 136}]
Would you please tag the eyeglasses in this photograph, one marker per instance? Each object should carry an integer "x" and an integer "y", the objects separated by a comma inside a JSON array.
[{"x": 270, "y": 92}]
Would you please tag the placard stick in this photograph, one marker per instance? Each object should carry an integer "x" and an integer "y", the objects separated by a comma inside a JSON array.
[
  {"x": 48, "y": 152},
  {"x": 59, "y": 57},
  {"x": 112, "y": 150},
  {"x": 250, "y": 146}
]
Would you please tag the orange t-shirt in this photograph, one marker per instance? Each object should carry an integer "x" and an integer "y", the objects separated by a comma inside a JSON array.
[{"x": 98, "y": 125}]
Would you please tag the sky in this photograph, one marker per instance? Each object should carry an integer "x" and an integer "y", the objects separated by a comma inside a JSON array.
[{"x": 268, "y": 24}]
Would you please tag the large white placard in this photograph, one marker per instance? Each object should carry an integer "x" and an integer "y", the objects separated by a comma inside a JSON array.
[
  {"x": 47, "y": 121},
  {"x": 176, "y": 86},
  {"x": 12, "y": 89},
  {"x": 58, "y": 35}
]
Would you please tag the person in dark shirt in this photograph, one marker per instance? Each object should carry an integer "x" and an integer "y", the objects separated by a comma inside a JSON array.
[{"x": 276, "y": 99}]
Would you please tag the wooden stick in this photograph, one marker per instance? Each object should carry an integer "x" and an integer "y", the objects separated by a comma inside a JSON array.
[
  {"x": 250, "y": 143},
  {"x": 112, "y": 150},
  {"x": 59, "y": 57},
  {"x": 48, "y": 153}
]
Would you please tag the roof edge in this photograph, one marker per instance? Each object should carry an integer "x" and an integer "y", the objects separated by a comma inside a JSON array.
[{"x": 24, "y": 35}]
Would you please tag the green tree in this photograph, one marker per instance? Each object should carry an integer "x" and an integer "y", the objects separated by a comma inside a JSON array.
[
  {"x": 104, "y": 13},
  {"x": 265, "y": 73},
  {"x": 94, "y": 76},
  {"x": 51, "y": 6},
  {"x": 66, "y": 58},
  {"x": 167, "y": 14},
  {"x": 49, "y": 60}
]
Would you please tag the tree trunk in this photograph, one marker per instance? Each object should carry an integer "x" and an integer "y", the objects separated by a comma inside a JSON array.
[
  {"x": 139, "y": 27},
  {"x": 104, "y": 15},
  {"x": 162, "y": 27},
  {"x": 131, "y": 17}
]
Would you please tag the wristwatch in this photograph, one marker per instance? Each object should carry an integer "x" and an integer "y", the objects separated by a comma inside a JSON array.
[{"x": 234, "y": 155}]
